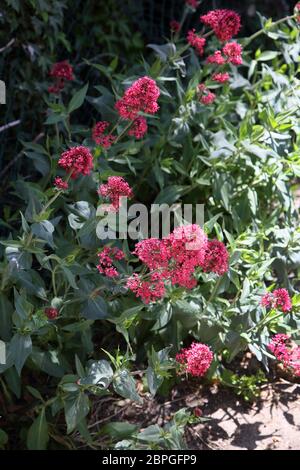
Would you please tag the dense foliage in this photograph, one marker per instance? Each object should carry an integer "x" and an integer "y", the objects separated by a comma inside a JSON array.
[{"x": 221, "y": 132}]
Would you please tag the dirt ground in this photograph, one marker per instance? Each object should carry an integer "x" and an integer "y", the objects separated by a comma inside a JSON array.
[{"x": 272, "y": 423}]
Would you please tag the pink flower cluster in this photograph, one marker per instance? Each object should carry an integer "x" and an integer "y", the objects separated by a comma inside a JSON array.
[
  {"x": 225, "y": 23},
  {"x": 220, "y": 77},
  {"x": 115, "y": 188},
  {"x": 60, "y": 71},
  {"x": 148, "y": 290},
  {"x": 195, "y": 41},
  {"x": 141, "y": 96},
  {"x": 196, "y": 359},
  {"x": 59, "y": 183},
  {"x": 139, "y": 128},
  {"x": 99, "y": 135},
  {"x": 207, "y": 97},
  {"x": 285, "y": 353},
  {"x": 106, "y": 261},
  {"x": 77, "y": 160},
  {"x": 278, "y": 299},
  {"x": 232, "y": 53},
  {"x": 216, "y": 258},
  {"x": 174, "y": 259}
]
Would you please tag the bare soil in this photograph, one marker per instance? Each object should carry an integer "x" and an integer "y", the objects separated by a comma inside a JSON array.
[{"x": 272, "y": 423}]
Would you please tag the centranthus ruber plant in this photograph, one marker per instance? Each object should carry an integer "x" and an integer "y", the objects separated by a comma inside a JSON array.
[{"x": 209, "y": 119}]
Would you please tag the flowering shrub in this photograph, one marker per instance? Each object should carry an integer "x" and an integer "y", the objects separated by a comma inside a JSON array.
[{"x": 205, "y": 120}]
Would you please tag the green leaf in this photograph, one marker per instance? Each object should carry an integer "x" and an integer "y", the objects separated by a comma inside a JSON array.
[
  {"x": 119, "y": 430},
  {"x": 152, "y": 433},
  {"x": 20, "y": 349},
  {"x": 78, "y": 99},
  {"x": 34, "y": 392},
  {"x": 38, "y": 437},
  {"x": 76, "y": 407},
  {"x": 154, "y": 381},
  {"x": 95, "y": 309},
  {"x": 100, "y": 373},
  {"x": 124, "y": 385},
  {"x": 69, "y": 276},
  {"x": 170, "y": 194},
  {"x": 267, "y": 55}
]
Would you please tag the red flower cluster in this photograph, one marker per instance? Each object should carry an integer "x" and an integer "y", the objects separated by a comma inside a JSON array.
[
  {"x": 206, "y": 96},
  {"x": 220, "y": 77},
  {"x": 149, "y": 290},
  {"x": 139, "y": 128},
  {"x": 115, "y": 188},
  {"x": 51, "y": 313},
  {"x": 106, "y": 259},
  {"x": 174, "y": 26},
  {"x": 77, "y": 160},
  {"x": 175, "y": 259},
  {"x": 216, "y": 58},
  {"x": 59, "y": 183},
  {"x": 99, "y": 136},
  {"x": 188, "y": 244},
  {"x": 232, "y": 52},
  {"x": 141, "y": 96},
  {"x": 60, "y": 71},
  {"x": 225, "y": 23},
  {"x": 193, "y": 3},
  {"x": 196, "y": 359},
  {"x": 285, "y": 353},
  {"x": 196, "y": 42},
  {"x": 278, "y": 299},
  {"x": 216, "y": 258}
]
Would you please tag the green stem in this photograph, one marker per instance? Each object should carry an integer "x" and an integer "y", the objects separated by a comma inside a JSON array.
[
  {"x": 123, "y": 132},
  {"x": 263, "y": 30}
]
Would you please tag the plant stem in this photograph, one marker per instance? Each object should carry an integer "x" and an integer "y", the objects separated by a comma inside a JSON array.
[{"x": 263, "y": 30}]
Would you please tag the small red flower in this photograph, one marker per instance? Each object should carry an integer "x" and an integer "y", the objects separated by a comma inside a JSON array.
[
  {"x": 77, "y": 160},
  {"x": 198, "y": 412},
  {"x": 174, "y": 26},
  {"x": 196, "y": 42},
  {"x": 206, "y": 96},
  {"x": 285, "y": 352},
  {"x": 233, "y": 52},
  {"x": 278, "y": 299},
  {"x": 51, "y": 313},
  {"x": 220, "y": 77},
  {"x": 150, "y": 290},
  {"x": 106, "y": 259},
  {"x": 115, "y": 188},
  {"x": 139, "y": 128},
  {"x": 216, "y": 258},
  {"x": 196, "y": 359},
  {"x": 57, "y": 87},
  {"x": 193, "y": 3},
  {"x": 59, "y": 183},
  {"x": 62, "y": 70},
  {"x": 99, "y": 136},
  {"x": 216, "y": 58},
  {"x": 142, "y": 95}
]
